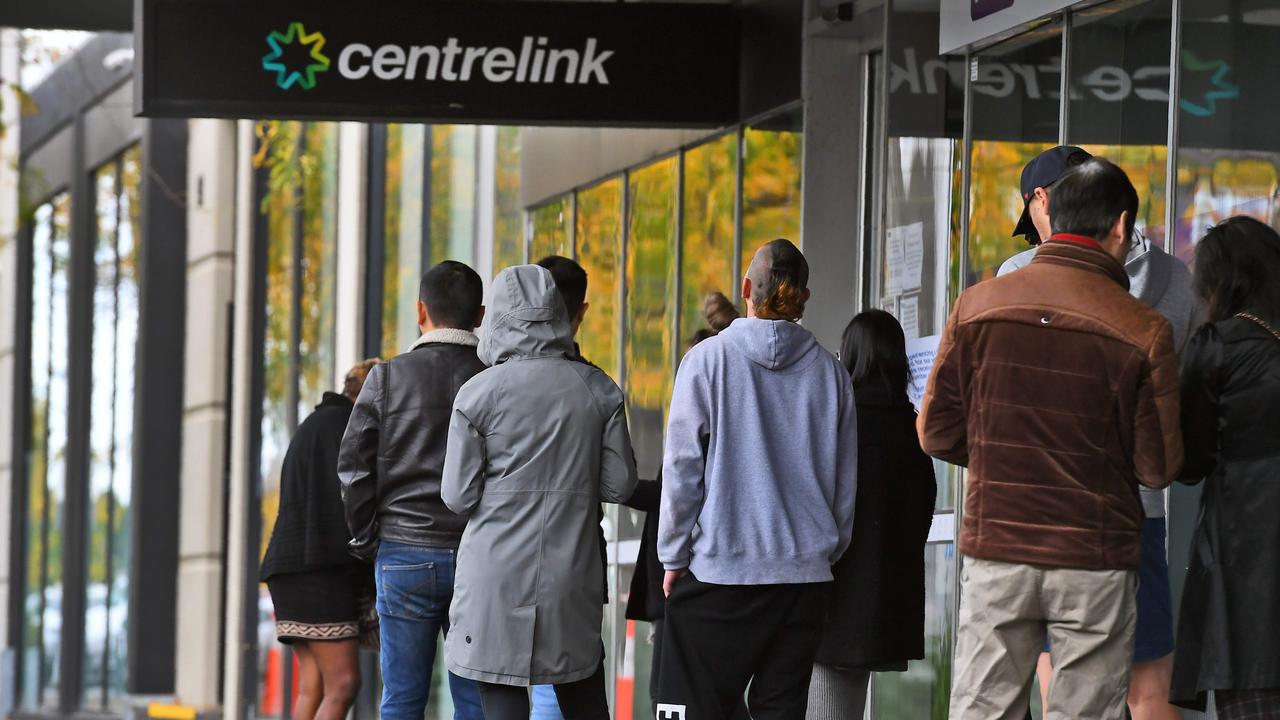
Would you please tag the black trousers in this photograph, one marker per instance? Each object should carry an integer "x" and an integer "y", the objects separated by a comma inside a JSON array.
[
  {"x": 720, "y": 639},
  {"x": 581, "y": 700}
]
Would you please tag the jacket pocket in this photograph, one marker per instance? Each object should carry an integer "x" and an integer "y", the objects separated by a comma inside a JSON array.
[{"x": 409, "y": 591}]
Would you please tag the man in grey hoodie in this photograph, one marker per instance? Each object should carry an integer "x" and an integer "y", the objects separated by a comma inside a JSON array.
[
  {"x": 1163, "y": 282},
  {"x": 757, "y": 503}
]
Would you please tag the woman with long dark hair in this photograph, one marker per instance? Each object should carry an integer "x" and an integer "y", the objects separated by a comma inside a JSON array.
[
  {"x": 875, "y": 622},
  {"x": 1229, "y": 628}
]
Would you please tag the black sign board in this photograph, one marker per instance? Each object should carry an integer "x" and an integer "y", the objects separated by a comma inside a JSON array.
[{"x": 582, "y": 63}]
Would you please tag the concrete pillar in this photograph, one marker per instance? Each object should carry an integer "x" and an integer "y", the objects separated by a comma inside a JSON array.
[
  {"x": 211, "y": 185},
  {"x": 10, "y": 119},
  {"x": 832, "y": 213},
  {"x": 353, "y": 145}
]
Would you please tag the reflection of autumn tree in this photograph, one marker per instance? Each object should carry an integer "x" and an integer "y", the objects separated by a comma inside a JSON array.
[
  {"x": 550, "y": 235},
  {"x": 709, "y": 194},
  {"x": 651, "y": 282},
  {"x": 770, "y": 188},
  {"x": 599, "y": 239},
  {"x": 392, "y": 272},
  {"x": 508, "y": 235},
  {"x": 1216, "y": 184},
  {"x": 300, "y": 197},
  {"x": 995, "y": 203}
]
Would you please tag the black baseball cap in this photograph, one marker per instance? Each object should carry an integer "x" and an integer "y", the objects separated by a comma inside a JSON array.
[{"x": 1044, "y": 170}]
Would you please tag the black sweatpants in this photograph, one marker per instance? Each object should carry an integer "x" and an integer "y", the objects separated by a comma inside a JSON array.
[
  {"x": 718, "y": 639},
  {"x": 581, "y": 700}
]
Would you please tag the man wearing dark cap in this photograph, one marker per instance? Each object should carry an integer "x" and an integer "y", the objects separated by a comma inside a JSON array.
[
  {"x": 1038, "y": 177},
  {"x": 1058, "y": 390},
  {"x": 757, "y": 503},
  {"x": 1164, "y": 283}
]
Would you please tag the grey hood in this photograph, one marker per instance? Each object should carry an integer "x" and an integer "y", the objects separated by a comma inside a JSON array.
[
  {"x": 525, "y": 317},
  {"x": 1150, "y": 270},
  {"x": 772, "y": 344}
]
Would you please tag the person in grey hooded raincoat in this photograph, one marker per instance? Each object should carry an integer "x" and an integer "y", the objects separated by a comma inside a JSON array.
[{"x": 536, "y": 442}]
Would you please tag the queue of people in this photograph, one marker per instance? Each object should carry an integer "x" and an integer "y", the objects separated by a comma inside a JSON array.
[{"x": 456, "y": 489}]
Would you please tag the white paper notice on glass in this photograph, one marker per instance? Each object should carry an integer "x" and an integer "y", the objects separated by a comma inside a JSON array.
[
  {"x": 895, "y": 259},
  {"x": 909, "y": 316},
  {"x": 920, "y": 355},
  {"x": 913, "y": 256},
  {"x": 904, "y": 256}
]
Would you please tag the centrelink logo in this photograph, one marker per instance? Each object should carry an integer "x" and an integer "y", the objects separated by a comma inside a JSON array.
[
  {"x": 533, "y": 62},
  {"x": 305, "y": 78}
]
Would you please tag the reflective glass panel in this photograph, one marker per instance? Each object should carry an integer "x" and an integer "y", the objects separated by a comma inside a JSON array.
[
  {"x": 551, "y": 229},
  {"x": 772, "y": 156},
  {"x": 924, "y": 690},
  {"x": 651, "y": 307},
  {"x": 318, "y": 302},
  {"x": 599, "y": 243},
  {"x": 1228, "y": 149},
  {"x": 403, "y": 236},
  {"x": 917, "y": 242},
  {"x": 508, "y": 234},
  {"x": 1119, "y": 97},
  {"x": 710, "y": 176},
  {"x": 46, "y": 462},
  {"x": 1015, "y": 117},
  {"x": 453, "y": 193},
  {"x": 115, "y": 323}
]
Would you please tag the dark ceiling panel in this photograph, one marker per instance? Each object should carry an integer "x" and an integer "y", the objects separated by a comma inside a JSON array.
[{"x": 99, "y": 15}]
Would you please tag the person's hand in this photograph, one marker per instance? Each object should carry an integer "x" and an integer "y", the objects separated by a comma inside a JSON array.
[{"x": 669, "y": 580}]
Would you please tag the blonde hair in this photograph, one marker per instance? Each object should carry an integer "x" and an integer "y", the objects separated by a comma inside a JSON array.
[{"x": 356, "y": 377}]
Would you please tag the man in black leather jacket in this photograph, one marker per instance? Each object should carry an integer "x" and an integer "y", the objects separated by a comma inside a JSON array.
[{"x": 390, "y": 465}]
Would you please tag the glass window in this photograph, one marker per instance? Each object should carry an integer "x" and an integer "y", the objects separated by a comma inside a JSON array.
[
  {"x": 1228, "y": 154},
  {"x": 551, "y": 229},
  {"x": 403, "y": 236},
  {"x": 453, "y": 193},
  {"x": 298, "y": 345},
  {"x": 924, "y": 690},
  {"x": 508, "y": 236},
  {"x": 115, "y": 323},
  {"x": 1016, "y": 91},
  {"x": 1119, "y": 97},
  {"x": 919, "y": 236},
  {"x": 46, "y": 461},
  {"x": 710, "y": 181},
  {"x": 651, "y": 306},
  {"x": 599, "y": 243},
  {"x": 772, "y": 156}
]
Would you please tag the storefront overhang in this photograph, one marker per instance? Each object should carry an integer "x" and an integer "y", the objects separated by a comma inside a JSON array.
[
  {"x": 526, "y": 63},
  {"x": 96, "y": 15}
]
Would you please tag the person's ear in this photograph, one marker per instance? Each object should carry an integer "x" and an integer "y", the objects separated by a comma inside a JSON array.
[
  {"x": 746, "y": 288},
  {"x": 479, "y": 318},
  {"x": 582, "y": 312},
  {"x": 806, "y": 294},
  {"x": 1119, "y": 231},
  {"x": 422, "y": 313},
  {"x": 1043, "y": 196}
]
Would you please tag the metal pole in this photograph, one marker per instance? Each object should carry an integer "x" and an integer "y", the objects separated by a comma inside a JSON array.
[
  {"x": 1171, "y": 153},
  {"x": 1064, "y": 81}
]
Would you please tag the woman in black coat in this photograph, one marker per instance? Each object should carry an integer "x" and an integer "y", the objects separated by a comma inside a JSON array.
[
  {"x": 1229, "y": 627},
  {"x": 876, "y": 618},
  {"x": 316, "y": 586}
]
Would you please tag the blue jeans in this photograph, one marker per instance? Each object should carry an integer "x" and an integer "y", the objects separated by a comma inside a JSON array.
[
  {"x": 545, "y": 704},
  {"x": 415, "y": 586}
]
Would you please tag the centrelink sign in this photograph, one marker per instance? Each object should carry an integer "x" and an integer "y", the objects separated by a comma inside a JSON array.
[{"x": 524, "y": 62}]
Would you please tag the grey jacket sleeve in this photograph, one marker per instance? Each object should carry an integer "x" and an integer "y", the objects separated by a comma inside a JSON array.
[
  {"x": 846, "y": 469},
  {"x": 683, "y": 466},
  {"x": 462, "y": 483},
  {"x": 358, "y": 466},
  {"x": 617, "y": 460}
]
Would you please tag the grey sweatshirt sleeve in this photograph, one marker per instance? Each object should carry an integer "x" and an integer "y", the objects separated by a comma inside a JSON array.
[
  {"x": 462, "y": 481},
  {"x": 846, "y": 469},
  {"x": 683, "y": 466}
]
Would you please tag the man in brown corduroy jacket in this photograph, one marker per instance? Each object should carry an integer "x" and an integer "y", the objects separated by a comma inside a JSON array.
[{"x": 1059, "y": 392}]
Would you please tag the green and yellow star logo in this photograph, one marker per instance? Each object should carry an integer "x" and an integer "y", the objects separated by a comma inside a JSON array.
[
  {"x": 305, "y": 78},
  {"x": 1220, "y": 90}
]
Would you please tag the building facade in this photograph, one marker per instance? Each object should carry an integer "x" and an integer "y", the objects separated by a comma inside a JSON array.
[{"x": 179, "y": 293}]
